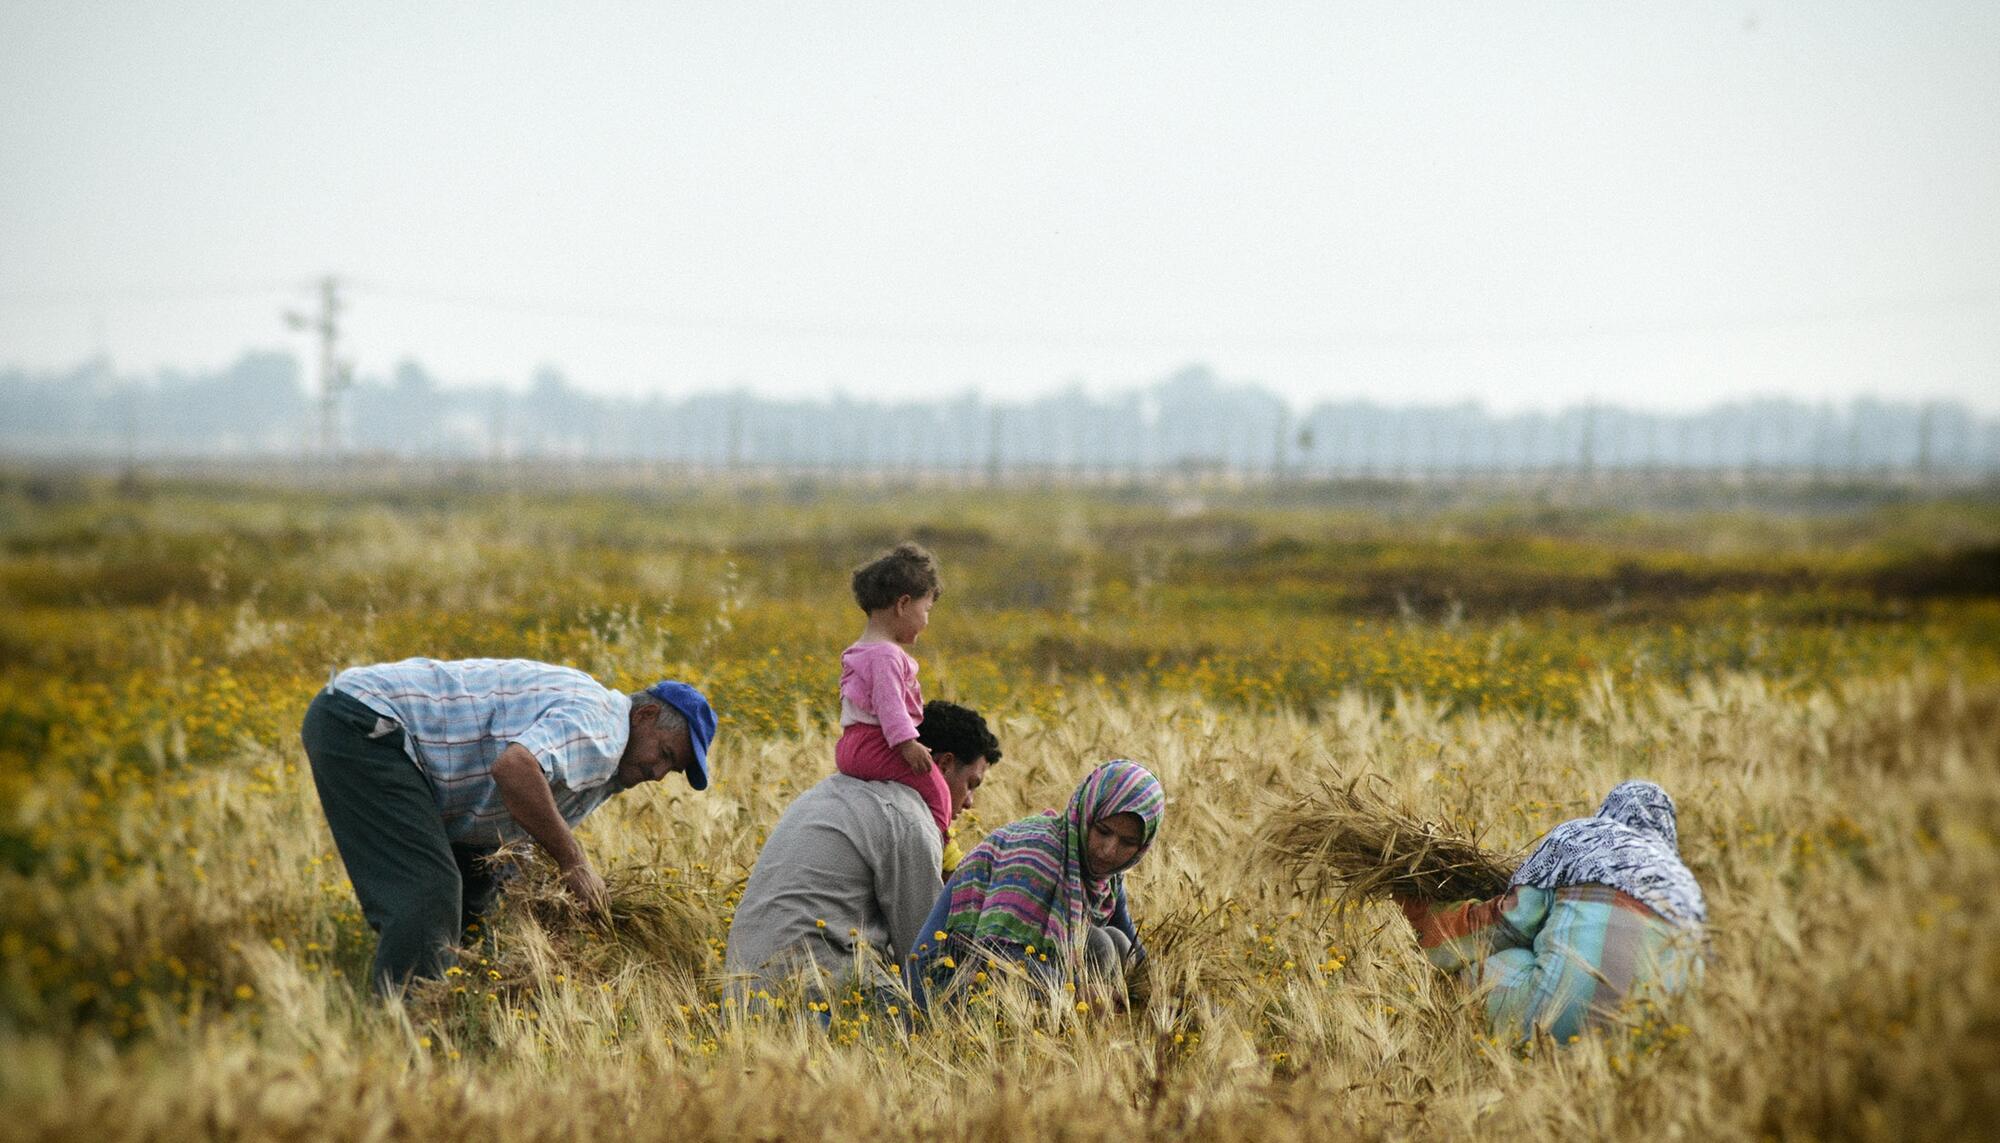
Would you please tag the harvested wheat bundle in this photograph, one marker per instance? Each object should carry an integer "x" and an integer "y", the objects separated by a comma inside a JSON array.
[
  {"x": 657, "y": 919},
  {"x": 1369, "y": 847}
]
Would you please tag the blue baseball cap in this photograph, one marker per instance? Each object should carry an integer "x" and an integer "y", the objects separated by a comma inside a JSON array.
[{"x": 700, "y": 716}]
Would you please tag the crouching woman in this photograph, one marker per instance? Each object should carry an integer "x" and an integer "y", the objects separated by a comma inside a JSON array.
[
  {"x": 1048, "y": 892},
  {"x": 1602, "y": 915}
]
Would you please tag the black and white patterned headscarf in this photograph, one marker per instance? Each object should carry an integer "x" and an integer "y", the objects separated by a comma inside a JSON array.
[{"x": 1631, "y": 845}]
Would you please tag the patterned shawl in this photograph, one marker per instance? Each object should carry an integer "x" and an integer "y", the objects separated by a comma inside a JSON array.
[
  {"x": 1026, "y": 884},
  {"x": 1631, "y": 845}
]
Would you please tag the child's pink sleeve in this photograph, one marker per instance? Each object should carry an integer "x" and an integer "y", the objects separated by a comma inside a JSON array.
[{"x": 892, "y": 688}]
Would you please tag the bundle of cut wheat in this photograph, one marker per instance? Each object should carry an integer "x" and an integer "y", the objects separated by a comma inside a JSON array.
[
  {"x": 1348, "y": 838},
  {"x": 655, "y": 917}
]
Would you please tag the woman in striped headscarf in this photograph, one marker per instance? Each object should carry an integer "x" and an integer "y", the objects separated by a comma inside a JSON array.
[
  {"x": 1602, "y": 914},
  {"x": 1049, "y": 891}
]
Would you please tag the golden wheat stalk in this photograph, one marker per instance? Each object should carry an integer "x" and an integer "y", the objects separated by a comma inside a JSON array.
[
  {"x": 1348, "y": 838},
  {"x": 652, "y": 917}
]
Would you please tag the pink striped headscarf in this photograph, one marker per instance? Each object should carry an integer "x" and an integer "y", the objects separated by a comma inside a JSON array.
[{"x": 1027, "y": 883}]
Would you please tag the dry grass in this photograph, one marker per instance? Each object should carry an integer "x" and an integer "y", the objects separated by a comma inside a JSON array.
[
  {"x": 1347, "y": 838},
  {"x": 1848, "y": 840},
  {"x": 656, "y": 922}
]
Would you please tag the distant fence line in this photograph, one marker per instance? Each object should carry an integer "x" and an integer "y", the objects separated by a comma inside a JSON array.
[
  {"x": 1660, "y": 488},
  {"x": 1192, "y": 426}
]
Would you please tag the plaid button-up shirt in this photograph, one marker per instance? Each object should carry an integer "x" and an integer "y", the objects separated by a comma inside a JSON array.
[{"x": 457, "y": 717}]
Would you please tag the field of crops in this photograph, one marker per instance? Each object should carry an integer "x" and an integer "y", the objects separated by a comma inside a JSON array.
[{"x": 1814, "y": 674}]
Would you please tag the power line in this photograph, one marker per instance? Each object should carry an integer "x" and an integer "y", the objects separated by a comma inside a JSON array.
[
  {"x": 144, "y": 295},
  {"x": 1330, "y": 339}
]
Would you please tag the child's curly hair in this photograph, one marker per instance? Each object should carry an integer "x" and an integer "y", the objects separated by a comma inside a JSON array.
[{"x": 906, "y": 569}]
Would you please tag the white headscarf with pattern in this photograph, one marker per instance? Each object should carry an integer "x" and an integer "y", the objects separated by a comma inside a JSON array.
[{"x": 1632, "y": 845}]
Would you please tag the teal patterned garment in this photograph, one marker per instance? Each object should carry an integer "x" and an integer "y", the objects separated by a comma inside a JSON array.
[
  {"x": 1603, "y": 915},
  {"x": 1590, "y": 953},
  {"x": 1558, "y": 961}
]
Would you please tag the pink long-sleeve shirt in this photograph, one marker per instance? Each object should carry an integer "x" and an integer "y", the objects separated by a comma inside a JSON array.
[{"x": 878, "y": 685}]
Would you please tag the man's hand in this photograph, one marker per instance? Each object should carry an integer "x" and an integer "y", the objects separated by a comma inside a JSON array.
[
  {"x": 525, "y": 790},
  {"x": 916, "y": 756},
  {"x": 588, "y": 888}
]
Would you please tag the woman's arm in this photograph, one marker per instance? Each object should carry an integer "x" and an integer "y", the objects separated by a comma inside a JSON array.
[
  {"x": 1121, "y": 919},
  {"x": 1457, "y": 934},
  {"x": 931, "y": 939}
]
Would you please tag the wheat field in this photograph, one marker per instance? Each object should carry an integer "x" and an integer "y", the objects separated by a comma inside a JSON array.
[{"x": 184, "y": 958}]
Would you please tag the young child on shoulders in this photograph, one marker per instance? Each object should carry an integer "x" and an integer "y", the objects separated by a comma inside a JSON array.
[{"x": 880, "y": 701}]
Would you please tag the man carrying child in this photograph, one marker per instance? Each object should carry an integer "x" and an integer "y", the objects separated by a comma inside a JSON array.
[{"x": 855, "y": 862}]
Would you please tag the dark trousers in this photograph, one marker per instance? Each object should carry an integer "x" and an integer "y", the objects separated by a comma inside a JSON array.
[{"x": 417, "y": 891}]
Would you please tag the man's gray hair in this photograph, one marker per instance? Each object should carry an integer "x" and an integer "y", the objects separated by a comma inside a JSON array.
[{"x": 670, "y": 720}]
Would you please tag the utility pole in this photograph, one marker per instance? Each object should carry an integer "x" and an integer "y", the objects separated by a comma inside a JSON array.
[
  {"x": 335, "y": 375},
  {"x": 1586, "y": 453},
  {"x": 1279, "y": 440},
  {"x": 994, "y": 458},
  {"x": 1926, "y": 427},
  {"x": 733, "y": 452}
]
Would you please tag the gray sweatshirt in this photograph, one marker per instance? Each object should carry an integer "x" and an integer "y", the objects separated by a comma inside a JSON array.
[{"x": 861, "y": 856}]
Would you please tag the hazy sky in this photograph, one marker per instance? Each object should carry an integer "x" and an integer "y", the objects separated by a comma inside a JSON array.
[{"x": 1524, "y": 204}]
